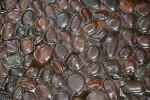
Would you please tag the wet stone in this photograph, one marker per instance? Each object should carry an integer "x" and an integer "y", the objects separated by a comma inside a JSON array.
[
  {"x": 92, "y": 53},
  {"x": 94, "y": 4},
  {"x": 129, "y": 66},
  {"x": 38, "y": 38},
  {"x": 50, "y": 36},
  {"x": 14, "y": 16},
  {"x": 57, "y": 81},
  {"x": 112, "y": 67},
  {"x": 9, "y": 4},
  {"x": 111, "y": 5},
  {"x": 96, "y": 95},
  {"x": 63, "y": 4},
  {"x": 101, "y": 15},
  {"x": 32, "y": 72},
  {"x": 26, "y": 46},
  {"x": 143, "y": 40},
  {"x": 10, "y": 86},
  {"x": 16, "y": 94},
  {"x": 43, "y": 92},
  {"x": 114, "y": 24},
  {"x": 37, "y": 6},
  {"x": 13, "y": 60},
  {"x": 21, "y": 31},
  {"x": 49, "y": 1},
  {"x": 49, "y": 11},
  {"x": 60, "y": 52},
  {"x": 127, "y": 6},
  {"x": 141, "y": 8},
  {"x": 29, "y": 96},
  {"x": 8, "y": 30},
  {"x": 28, "y": 61},
  {"x": 75, "y": 23},
  {"x": 15, "y": 73},
  {"x": 125, "y": 52},
  {"x": 23, "y": 4},
  {"x": 89, "y": 28},
  {"x": 93, "y": 69},
  {"x": 93, "y": 84},
  {"x": 63, "y": 95},
  {"x": 65, "y": 36},
  {"x": 133, "y": 87},
  {"x": 74, "y": 63},
  {"x": 75, "y": 83},
  {"x": 62, "y": 19},
  {"x": 58, "y": 66},
  {"x": 3, "y": 70},
  {"x": 86, "y": 14},
  {"x": 75, "y": 5},
  {"x": 98, "y": 37},
  {"x": 111, "y": 88},
  {"x": 27, "y": 84},
  {"x": 128, "y": 36},
  {"x": 28, "y": 18},
  {"x": 46, "y": 73},
  {"x": 141, "y": 55},
  {"x": 79, "y": 43},
  {"x": 42, "y": 23},
  {"x": 128, "y": 19},
  {"x": 2, "y": 17},
  {"x": 43, "y": 55},
  {"x": 111, "y": 46},
  {"x": 143, "y": 24}
]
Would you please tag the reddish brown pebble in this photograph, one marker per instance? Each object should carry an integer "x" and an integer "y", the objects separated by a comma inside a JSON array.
[
  {"x": 58, "y": 66},
  {"x": 74, "y": 63},
  {"x": 43, "y": 92},
  {"x": 2, "y": 17},
  {"x": 79, "y": 43},
  {"x": 89, "y": 28},
  {"x": 43, "y": 55},
  {"x": 37, "y": 6},
  {"x": 127, "y": 6},
  {"x": 38, "y": 38},
  {"x": 46, "y": 73},
  {"x": 86, "y": 14},
  {"x": 128, "y": 19},
  {"x": 26, "y": 46},
  {"x": 57, "y": 81},
  {"x": 28, "y": 61},
  {"x": 111, "y": 46},
  {"x": 3, "y": 70},
  {"x": 65, "y": 36},
  {"x": 14, "y": 16},
  {"x": 133, "y": 87},
  {"x": 32, "y": 72},
  {"x": 75, "y": 5},
  {"x": 29, "y": 96},
  {"x": 143, "y": 40},
  {"x": 49, "y": 11},
  {"x": 9, "y": 4},
  {"x": 75, "y": 83},
  {"x": 96, "y": 95},
  {"x": 94, "y": 84},
  {"x": 8, "y": 30},
  {"x": 60, "y": 52},
  {"x": 27, "y": 84},
  {"x": 63, "y": 4},
  {"x": 3, "y": 55},
  {"x": 111, "y": 89},
  {"x": 128, "y": 36},
  {"x": 141, "y": 55},
  {"x": 142, "y": 8},
  {"x": 17, "y": 93},
  {"x": 129, "y": 66},
  {"x": 50, "y": 36},
  {"x": 42, "y": 23},
  {"x": 23, "y": 4}
]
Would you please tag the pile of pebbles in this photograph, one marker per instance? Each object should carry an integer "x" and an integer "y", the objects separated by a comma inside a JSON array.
[{"x": 74, "y": 50}]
